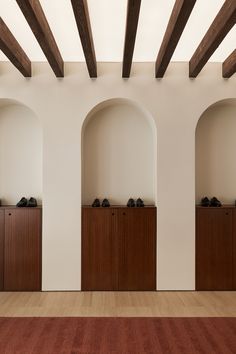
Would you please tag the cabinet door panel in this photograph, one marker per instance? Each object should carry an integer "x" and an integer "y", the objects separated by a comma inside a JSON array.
[
  {"x": 234, "y": 249},
  {"x": 99, "y": 270},
  {"x": 214, "y": 256},
  {"x": 1, "y": 248},
  {"x": 22, "y": 263},
  {"x": 137, "y": 248}
]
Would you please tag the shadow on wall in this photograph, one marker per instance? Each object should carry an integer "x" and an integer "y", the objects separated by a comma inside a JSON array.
[
  {"x": 20, "y": 153},
  {"x": 119, "y": 153},
  {"x": 215, "y": 152}
]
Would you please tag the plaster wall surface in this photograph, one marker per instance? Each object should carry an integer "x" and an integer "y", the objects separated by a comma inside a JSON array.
[
  {"x": 118, "y": 154},
  {"x": 20, "y": 153},
  {"x": 175, "y": 103},
  {"x": 215, "y": 153}
]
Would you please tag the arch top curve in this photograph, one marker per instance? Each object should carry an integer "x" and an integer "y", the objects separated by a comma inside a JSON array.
[
  {"x": 215, "y": 144},
  {"x": 230, "y": 101},
  {"x": 5, "y": 101},
  {"x": 119, "y": 152},
  {"x": 115, "y": 101},
  {"x": 11, "y": 102},
  {"x": 21, "y": 147}
]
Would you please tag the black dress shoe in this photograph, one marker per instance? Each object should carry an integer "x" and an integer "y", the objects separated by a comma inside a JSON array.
[
  {"x": 22, "y": 203},
  {"x": 96, "y": 203},
  {"x": 205, "y": 202},
  {"x": 139, "y": 203},
  {"x": 32, "y": 203},
  {"x": 215, "y": 202},
  {"x": 131, "y": 203},
  {"x": 105, "y": 203}
]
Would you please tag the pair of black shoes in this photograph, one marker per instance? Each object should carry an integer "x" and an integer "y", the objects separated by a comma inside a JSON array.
[
  {"x": 139, "y": 203},
  {"x": 97, "y": 204},
  {"x": 31, "y": 203},
  {"x": 214, "y": 202}
]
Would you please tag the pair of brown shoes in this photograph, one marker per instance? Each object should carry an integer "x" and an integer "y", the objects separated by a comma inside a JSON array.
[
  {"x": 139, "y": 203},
  {"x": 97, "y": 204},
  {"x": 214, "y": 202},
  {"x": 31, "y": 203}
]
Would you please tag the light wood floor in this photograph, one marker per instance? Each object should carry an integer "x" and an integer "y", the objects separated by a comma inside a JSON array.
[{"x": 118, "y": 304}]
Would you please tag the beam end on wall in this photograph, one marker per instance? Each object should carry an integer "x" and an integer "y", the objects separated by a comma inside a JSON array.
[
  {"x": 178, "y": 20},
  {"x": 229, "y": 66},
  {"x": 133, "y": 9},
  {"x": 81, "y": 13},
  {"x": 218, "y": 30},
  {"x": 38, "y": 23},
  {"x": 14, "y": 52}
]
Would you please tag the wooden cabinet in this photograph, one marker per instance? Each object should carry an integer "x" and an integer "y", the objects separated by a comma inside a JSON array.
[
  {"x": 215, "y": 248},
  {"x": 22, "y": 248},
  {"x": 1, "y": 248},
  {"x": 119, "y": 248},
  {"x": 98, "y": 256},
  {"x": 234, "y": 249},
  {"x": 137, "y": 248}
]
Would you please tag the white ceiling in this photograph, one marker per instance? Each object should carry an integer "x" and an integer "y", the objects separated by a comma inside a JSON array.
[{"x": 108, "y": 25}]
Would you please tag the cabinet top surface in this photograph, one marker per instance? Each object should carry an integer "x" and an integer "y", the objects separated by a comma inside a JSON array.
[
  {"x": 119, "y": 206},
  {"x": 228, "y": 206},
  {"x": 15, "y": 207}
]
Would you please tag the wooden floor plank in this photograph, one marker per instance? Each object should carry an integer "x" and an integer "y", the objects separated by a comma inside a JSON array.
[{"x": 176, "y": 304}]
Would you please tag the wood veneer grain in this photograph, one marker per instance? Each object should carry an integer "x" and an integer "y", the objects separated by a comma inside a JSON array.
[
  {"x": 214, "y": 249},
  {"x": 22, "y": 254},
  {"x": 1, "y": 249}
]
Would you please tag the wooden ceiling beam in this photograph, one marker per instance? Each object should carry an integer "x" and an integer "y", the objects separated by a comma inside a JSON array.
[
  {"x": 178, "y": 20},
  {"x": 133, "y": 9},
  {"x": 12, "y": 49},
  {"x": 222, "y": 24},
  {"x": 38, "y": 23},
  {"x": 229, "y": 65},
  {"x": 81, "y": 12}
]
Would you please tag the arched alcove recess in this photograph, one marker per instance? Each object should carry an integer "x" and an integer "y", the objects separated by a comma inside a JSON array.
[
  {"x": 118, "y": 153},
  {"x": 215, "y": 152},
  {"x": 20, "y": 153}
]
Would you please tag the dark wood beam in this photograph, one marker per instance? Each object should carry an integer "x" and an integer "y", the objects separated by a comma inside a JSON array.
[
  {"x": 222, "y": 24},
  {"x": 12, "y": 49},
  {"x": 133, "y": 9},
  {"x": 81, "y": 12},
  {"x": 38, "y": 23},
  {"x": 178, "y": 20},
  {"x": 229, "y": 65}
]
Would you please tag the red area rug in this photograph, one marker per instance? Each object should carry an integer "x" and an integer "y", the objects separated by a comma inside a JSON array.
[{"x": 117, "y": 335}]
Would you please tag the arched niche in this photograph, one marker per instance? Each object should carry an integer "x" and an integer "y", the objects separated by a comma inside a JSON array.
[
  {"x": 20, "y": 153},
  {"x": 118, "y": 153},
  {"x": 215, "y": 152}
]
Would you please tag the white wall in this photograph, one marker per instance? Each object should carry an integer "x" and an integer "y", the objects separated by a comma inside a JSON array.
[
  {"x": 118, "y": 154},
  {"x": 175, "y": 102},
  {"x": 215, "y": 153},
  {"x": 20, "y": 154}
]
